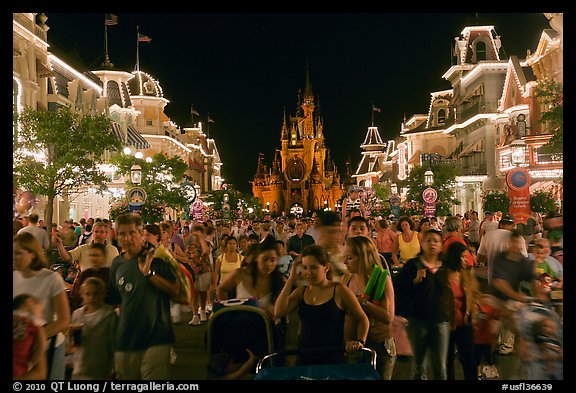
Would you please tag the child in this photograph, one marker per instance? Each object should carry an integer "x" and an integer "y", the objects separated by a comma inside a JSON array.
[
  {"x": 285, "y": 261},
  {"x": 542, "y": 266},
  {"x": 28, "y": 339},
  {"x": 97, "y": 258},
  {"x": 485, "y": 326},
  {"x": 550, "y": 350},
  {"x": 94, "y": 355},
  {"x": 223, "y": 366}
]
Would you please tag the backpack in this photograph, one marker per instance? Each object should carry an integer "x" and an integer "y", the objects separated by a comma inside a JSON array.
[{"x": 183, "y": 276}]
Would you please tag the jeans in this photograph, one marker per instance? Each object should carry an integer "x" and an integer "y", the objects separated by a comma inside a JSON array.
[
  {"x": 429, "y": 341},
  {"x": 58, "y": 369}
]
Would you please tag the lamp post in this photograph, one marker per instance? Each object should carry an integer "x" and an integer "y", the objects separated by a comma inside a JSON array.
[
  {"x": 429, "y": 195},
  {"x": 428, "y": 177},
  {"x": 518, "y": 149},
  {"x": 136, "y": 195},
  {"x": 136, "y": 174}
]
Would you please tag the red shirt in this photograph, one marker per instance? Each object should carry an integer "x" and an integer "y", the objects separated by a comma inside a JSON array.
[
  {"x": 453, "y": 238},
  {"x": 24, "y": 332}
]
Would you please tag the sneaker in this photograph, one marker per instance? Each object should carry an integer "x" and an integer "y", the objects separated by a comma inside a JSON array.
[
  {"x": 209, "y": 308},
  {"x": 491, "y": 372},
  {"x": 195, "y": 320},
  {"x": 203, "y": 316}
]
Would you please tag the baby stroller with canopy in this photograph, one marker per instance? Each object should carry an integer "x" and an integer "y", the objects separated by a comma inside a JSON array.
[
  {"x": 235, "y": 327},
  {"x": 364, "y": 369}
]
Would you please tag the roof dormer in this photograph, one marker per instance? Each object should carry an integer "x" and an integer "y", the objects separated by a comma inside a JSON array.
[{"x": 477, "y": 43}]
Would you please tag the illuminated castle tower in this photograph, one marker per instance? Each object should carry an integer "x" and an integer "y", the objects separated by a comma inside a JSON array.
[{"x": 303, "y": 176}]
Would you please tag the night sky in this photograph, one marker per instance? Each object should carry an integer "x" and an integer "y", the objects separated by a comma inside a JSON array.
[{"x": 246, "y": 68}]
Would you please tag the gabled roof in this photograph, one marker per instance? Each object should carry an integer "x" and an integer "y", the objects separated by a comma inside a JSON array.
[
  {"x": 64, "y": 73},
  {"x": 517, "y": 77}
]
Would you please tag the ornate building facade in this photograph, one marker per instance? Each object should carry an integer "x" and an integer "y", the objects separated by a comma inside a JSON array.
[{"x": 303, "y": 176}]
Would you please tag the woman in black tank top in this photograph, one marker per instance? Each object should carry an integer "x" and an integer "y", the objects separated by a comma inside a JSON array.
[{"x": 323, "y": 306}]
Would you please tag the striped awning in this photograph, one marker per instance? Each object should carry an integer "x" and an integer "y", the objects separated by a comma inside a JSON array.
[
  {"x": 117, "y": 130},
  {"x": 135, "y": 139}
]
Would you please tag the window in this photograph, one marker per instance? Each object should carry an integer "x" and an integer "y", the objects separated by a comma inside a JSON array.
[
  {"x": 480, "y": 51},
  {"x": 441, "y": 116},
  {"x": 149, "y": 123}
]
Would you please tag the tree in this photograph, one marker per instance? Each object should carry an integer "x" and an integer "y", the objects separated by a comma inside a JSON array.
[
  {"x": 59, "y": 152},
  {"x": 551, "y": 95},
  {"x": 495, "y": 201},
  {"x": 542, "y": 202},
  {"x": 444, "y": 183},
  {"x": 161, "y": 177}
]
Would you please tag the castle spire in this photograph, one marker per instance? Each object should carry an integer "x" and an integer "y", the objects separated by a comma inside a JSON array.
[
  {"x": 308, "y": 90},
  {"x": 284, "y": 131}
]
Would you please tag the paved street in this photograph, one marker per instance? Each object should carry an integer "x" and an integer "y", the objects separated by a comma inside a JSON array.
[{"x": 192, "y": 356}]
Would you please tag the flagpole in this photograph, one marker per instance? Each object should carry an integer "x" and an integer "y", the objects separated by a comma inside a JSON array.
[
  {"x": 106, "y": 58},
  {"x": 208, "y": 126},
  {"x": 192, "y": 114},
  {"x": 372, "y": 114},
  {"x": 137, "y": 51}
]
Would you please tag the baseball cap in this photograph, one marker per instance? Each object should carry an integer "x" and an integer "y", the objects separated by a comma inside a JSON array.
[
  {"x": 354, "y": 188},
  {"x": 507, "y": 217}
]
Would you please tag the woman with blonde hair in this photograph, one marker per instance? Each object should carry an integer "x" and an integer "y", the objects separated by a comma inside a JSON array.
[
  {"x": 31, "y": 276},
  {"x": 361, "y": 257}
]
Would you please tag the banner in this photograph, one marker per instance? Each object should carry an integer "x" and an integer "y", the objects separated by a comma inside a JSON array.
[
  {"x": 197, "y": 210},
  {"x": 430, "y": 196},
  {"x": 518, "y": 181}
]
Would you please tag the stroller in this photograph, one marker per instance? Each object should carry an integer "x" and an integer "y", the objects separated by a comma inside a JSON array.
[
  {"x": 540, "y": 329},
  {"x": 362, "y": 370},
  {"x": 236, "y": 327}
]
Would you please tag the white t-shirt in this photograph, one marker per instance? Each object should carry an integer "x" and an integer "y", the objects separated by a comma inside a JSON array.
[
  {"x": 80, "y": 253},
  {"x": 44, "y": 286}
]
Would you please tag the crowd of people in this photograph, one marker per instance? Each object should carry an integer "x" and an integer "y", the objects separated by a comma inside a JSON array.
[{"x": 92, "y": 301}]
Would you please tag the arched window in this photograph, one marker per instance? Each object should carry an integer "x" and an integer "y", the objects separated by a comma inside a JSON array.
[
  {"x": 480, "y": 51},
  {"x": 442, "y": 116}
]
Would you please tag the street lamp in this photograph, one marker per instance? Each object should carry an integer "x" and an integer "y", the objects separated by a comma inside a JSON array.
[
  {"x": 394, "y": 188},
  {"x": 267, "y": 207},
  {"x": 136, "y": 174},
  {"x": 197, "y": 188},
  {"x": 518, "y": 148},
  {"x": 428, "y": 177}
]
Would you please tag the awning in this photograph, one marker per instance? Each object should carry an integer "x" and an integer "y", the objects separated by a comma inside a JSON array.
[
  {"x": 135, "y": 139},
  {"x": 553, "y": 186},
  {"x": 196, "y": 166},
  {"x": 117, "y": 130},
  {"x": 415, "y": 159},
  {"x": 475, "y": 147}
]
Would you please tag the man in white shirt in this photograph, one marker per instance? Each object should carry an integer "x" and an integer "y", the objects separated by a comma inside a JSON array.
[
  {"x": 80, "y": 253},
  {"x": 496, "y": 241}
]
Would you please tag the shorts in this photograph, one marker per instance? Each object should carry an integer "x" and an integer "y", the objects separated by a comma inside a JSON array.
[{"x": 203, "y": 281}]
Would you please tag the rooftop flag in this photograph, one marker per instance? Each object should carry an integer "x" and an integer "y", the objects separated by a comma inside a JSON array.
[
  {"x": 376, "y": 109},
  {"x": 210, "y": 120},
  {"x": 143, "y": 38},
  {"x": 194, "y": 111},
  {"x": 111, "y": 20}
]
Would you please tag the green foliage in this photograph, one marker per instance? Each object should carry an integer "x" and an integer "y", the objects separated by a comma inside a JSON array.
[
  {"x": 58, "y": 152},
  {"x": 151, "y": 212},
  {"x": 542, "y": 202},
  {"x": 161, "y": 178},
  {"x": 215, "y": 199},
  {"x": 495, "y": 200},
  {"x": 444, "y": 183},
  {"x": 551, "y": 95}
]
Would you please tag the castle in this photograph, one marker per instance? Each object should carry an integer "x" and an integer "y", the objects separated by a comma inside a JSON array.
[{"x": 303, "y": 176}]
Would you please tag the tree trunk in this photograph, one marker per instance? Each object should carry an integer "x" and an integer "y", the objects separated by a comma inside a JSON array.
[{"x": 48, "y": 216}]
